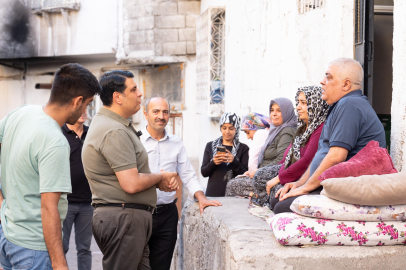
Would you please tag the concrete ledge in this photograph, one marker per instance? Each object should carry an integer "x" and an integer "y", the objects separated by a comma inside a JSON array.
[{"x": 228, "y": 237}]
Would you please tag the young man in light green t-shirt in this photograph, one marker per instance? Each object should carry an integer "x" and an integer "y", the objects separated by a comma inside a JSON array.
[{"x": 35, "y": 172}]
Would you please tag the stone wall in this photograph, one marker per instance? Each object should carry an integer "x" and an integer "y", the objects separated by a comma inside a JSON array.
[
  {"x": 398, "y": 134},
  {"x": 164, "y": 27},
  {"x": 229, "y": 238}
]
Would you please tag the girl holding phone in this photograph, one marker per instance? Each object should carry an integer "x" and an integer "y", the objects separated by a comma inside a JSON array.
[{"x": 225, "y": 157}]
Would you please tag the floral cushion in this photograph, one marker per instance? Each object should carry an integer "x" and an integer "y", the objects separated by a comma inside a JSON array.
[
  {"x": 294, "y": 230},
  {"x": 320, "y": 206}
]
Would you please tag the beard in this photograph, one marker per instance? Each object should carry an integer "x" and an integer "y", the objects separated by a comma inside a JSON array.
[{"x": 74, "y": 117}]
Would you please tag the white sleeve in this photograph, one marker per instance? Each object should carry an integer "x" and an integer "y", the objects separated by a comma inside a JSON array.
[
  {"x": 257, "y": 143},
  {"x": 186, "y": 172}
]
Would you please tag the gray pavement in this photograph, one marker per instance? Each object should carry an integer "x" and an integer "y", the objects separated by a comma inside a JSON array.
[{"x": 72, "y": 259}]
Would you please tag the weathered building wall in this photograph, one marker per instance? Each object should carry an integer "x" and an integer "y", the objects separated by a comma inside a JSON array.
[
  {"x": 17, "y": 32},
  {"x": 160, "y": 27},
  {"x": 89, "y": 31},
  {"x": 17, "y": 92},
  {"x": 398, "y": 133},
  {"x": 271, "y": 50}
]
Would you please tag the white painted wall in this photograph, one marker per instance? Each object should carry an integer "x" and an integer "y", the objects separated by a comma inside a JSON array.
[
  {"x": 14, "y": 93},
  {"x": 271, "y": 50},
  {"x": 398, "y": 133},
  {"x": 92, "y": 30}
]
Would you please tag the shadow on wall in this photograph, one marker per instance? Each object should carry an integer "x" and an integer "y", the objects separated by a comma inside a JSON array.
[{"x": 17, "y": 37}]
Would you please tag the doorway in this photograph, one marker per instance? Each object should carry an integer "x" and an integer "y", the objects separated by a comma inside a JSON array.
[{"x": 382, "y": 66}]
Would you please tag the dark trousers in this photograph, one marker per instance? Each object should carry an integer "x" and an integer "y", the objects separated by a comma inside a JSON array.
[
  {"x": 163, "y": 238},
  {"x": 79, "y": 214},
  {"x": 122, "y": 235},
  {"x": 284, "y": 206}
]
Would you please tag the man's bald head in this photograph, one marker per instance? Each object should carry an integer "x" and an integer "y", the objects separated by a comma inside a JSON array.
[
  {"x": 343, "y": 76},
  {"x": 148, "y": 101},
  {"x": 349, "y": 69}
]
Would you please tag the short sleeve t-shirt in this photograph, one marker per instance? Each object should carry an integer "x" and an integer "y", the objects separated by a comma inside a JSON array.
[
  {"x": 351, "y": 124},
  {"x": 111, "y": 146},
  {"x": 34, "y": 160}
]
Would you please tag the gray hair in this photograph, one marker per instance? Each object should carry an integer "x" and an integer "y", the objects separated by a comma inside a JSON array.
[
  {"x": 146, "y": 103},
  {"x": 349, "y": 69}
]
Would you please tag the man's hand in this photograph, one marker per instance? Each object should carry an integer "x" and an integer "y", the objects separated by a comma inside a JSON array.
[
  {"x": 51, "y": 225},
  {"x": 204, "y": 202},
  {"x": 271, "y": 183},
  {"x": 218, "y": 159},
  {"x": 286, "y": 188},
  {"x": 168, "y": 182},
  {"x": 295, "y": 192}
]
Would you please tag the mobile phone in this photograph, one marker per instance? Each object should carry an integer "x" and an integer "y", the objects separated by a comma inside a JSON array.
[{"x": 221, "y": 150}]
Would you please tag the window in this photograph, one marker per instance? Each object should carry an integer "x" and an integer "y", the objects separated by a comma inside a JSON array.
[
  {"x": 165, "y": 81},
  {"x": 210, "y": 54},
  {"x": 308, "y": 5}
]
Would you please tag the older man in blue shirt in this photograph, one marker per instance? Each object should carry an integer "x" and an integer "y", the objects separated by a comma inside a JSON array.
[
  {"x": 167, "y": 152},
  {"x": 350, "y": 124}
]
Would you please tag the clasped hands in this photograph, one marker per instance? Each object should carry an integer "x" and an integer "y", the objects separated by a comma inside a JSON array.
[
  {"x": 223, "y": 158},
  {"x": 168, "y": 182}
]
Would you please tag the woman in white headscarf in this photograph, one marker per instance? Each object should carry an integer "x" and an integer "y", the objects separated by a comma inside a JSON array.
[{"x": 222, "y": 166}]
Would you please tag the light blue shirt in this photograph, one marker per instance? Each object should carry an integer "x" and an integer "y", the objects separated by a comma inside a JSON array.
[
  {"x": 169, "y": 154},
  {"x": 34, "y": 160}
]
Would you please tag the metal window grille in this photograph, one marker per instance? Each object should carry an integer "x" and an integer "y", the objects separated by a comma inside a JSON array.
[
  {"x": 210, "y": 54},
  {"x": 359, "y": 13},
  {"x": 308, "y": 5}
]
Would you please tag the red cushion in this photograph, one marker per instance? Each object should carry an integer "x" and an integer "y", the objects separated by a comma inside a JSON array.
[{"x": 371, "y": 160}]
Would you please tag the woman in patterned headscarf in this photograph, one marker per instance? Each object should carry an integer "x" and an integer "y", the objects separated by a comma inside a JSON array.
[
  {"x": 221, "y": 166},
  {"x": 256, "y": 127},
  {"x": 312, "y": 111}
]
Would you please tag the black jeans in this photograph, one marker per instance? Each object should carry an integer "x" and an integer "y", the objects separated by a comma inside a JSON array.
[
  {"x": 284, "y": 206},
  {"x": 163, "y": 239}
]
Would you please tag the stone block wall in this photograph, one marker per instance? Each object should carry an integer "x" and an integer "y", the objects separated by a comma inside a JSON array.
[{"x": 165, "y": 27}]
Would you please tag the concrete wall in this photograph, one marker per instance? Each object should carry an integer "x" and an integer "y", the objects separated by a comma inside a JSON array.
[
  {"x": 398, "y": 135},
  {"x": 161, "y": 27},
  {"x": 17, "y": 92},
  {"x": 91, "y": 30},
  {"x": 229, "y": 238}
]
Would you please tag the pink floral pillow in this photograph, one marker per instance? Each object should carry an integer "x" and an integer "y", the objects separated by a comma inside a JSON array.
[{"x": 371, "y": 160}]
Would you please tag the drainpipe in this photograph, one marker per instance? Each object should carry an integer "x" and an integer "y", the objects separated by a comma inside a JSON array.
[{"x": 120, "y": 53}]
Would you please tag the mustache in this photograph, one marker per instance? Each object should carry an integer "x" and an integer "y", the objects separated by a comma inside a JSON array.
[{"x": 160, "y": 120}]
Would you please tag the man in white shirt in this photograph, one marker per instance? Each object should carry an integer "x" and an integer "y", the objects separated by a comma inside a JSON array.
[{"x": 167, "y": 152}]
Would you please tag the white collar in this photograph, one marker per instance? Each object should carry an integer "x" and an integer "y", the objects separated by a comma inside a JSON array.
[{"x": 147, "y": 135}]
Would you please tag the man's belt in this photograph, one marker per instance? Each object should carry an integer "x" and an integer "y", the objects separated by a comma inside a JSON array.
[
  {"x": 127, "y": 205},
  {"x": 163, "y": 207}
]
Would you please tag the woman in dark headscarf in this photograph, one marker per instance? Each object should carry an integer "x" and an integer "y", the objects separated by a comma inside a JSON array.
[
  {"x": 222, "y": 166},
  {"x": 280, "y": 135}
]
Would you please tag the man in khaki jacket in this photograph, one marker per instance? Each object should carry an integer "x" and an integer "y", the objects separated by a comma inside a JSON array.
[{"x": 123, "y": 187}]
